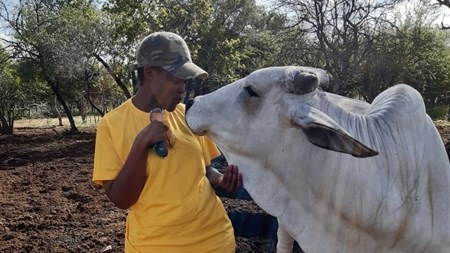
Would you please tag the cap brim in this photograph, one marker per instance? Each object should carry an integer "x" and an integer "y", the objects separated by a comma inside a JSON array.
[{"x": 188, "y": 71}]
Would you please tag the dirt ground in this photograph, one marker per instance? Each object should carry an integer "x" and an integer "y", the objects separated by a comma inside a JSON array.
[{"x": 48, "y": 203}]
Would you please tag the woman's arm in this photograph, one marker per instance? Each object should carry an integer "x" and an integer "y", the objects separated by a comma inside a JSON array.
[{"x": 126, "y": 188}]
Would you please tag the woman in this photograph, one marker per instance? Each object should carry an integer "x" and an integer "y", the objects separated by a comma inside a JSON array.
[{"x": 173, "y": 207}]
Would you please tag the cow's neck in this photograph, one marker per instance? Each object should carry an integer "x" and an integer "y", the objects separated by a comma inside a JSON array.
[{"x": 341, "y": 111}]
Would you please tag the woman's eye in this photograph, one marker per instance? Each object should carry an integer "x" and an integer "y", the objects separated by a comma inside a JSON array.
[{"x": 251, "y": 92}]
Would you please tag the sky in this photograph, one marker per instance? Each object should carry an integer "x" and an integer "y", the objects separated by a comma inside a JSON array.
[{"x": 443, "y": 13}]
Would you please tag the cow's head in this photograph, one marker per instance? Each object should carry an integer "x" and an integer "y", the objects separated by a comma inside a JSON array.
[{"x": 272, "y": 108}]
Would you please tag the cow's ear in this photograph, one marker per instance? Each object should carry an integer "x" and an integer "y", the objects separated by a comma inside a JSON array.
[{"x": 324, "y": 132}]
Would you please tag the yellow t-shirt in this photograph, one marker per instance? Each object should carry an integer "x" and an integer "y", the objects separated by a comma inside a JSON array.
[{"x": 177, "y": 210}]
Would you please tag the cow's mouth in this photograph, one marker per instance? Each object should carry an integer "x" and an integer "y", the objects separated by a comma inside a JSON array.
[{"x": 196, "y": 131}]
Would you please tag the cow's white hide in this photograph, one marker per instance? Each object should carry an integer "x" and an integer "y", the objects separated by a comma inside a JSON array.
[{"x": 386, "y": 189}]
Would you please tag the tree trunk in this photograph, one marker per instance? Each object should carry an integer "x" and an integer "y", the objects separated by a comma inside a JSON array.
[
  {"x": 134, "y": 81},
  {"x": 7, "y": 119},
  {"x": 448, "y": 113},
  {"x": 56, "y": 111},
  {"x": 87, "y": 96},
  {"x": 10, "y": 128},
  {"x": 116, "y": 78},
  {"x": 10, "y": 118},
  {"x": 82, "y": 108},
  {"x": 3, "y": 124},
  {"x": 55, "y": 89},
  {"x": 95, "y": 107}
]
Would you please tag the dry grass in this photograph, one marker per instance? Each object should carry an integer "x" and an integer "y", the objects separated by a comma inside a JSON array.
[
  {"x": 93, "y": 120},
  {"x": 443, "y": 123},
  {"x": 52, "y": 122}
]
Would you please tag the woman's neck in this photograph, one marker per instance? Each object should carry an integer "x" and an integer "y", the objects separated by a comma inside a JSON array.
[{"x": 145, "y": 101}]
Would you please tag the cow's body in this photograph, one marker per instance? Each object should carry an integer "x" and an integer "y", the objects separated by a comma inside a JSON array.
[{"x": 392, "y": 194}]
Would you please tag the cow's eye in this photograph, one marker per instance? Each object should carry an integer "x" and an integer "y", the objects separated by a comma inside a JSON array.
[{"x": 251, "y": 92}]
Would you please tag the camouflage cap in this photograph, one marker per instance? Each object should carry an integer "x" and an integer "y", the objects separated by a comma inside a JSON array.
[{"x": 169, "y": 51}]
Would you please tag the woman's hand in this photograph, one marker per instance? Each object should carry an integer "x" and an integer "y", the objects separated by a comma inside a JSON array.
[
  {"x": 231, "y": 179},
  {"x": 153, "y": 133}
]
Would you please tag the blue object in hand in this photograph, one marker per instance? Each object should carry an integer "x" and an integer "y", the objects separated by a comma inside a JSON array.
[{"x": 160, "y": 147}]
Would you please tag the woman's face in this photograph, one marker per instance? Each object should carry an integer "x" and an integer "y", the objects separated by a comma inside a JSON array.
[{"x": 167, "y": 89}]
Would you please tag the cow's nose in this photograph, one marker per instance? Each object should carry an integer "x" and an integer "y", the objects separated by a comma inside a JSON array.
[{"x": 189, "y": 103}]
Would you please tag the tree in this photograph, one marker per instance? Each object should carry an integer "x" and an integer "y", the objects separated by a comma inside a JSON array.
[
  {"x": 417, "y": 56},
  {"x": 111, "y": 45},
  {"x": 240, "y": 37},
  {"x": 223, "y": 35},
  {"x": 336, "y": 35},
  {"x": 22, "y": 92},
  {"x": 12, "y": 96},
  {"x": 368, "y": 47},
  {"x": 414, "y": 52},
  {"x": 56, "y": 36}
]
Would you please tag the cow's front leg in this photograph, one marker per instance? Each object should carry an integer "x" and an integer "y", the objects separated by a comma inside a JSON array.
[{"x": 285, "y": 241}]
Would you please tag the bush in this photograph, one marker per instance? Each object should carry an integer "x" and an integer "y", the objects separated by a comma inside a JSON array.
[{"x": 438, "y": 112}]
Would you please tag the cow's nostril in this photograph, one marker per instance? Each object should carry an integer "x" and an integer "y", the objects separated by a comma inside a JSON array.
[{"x": 189, "y": 103}]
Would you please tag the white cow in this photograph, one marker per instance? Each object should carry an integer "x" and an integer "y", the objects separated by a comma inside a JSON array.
[{"x": 340, "y": 175}]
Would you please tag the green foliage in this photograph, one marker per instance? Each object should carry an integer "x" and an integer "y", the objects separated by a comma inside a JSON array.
[
  {"x": 236, "y": 41},
  {"x": 438, "y": 112},
  {"x": 104, "y": 92},
  {"x": 56, "y": 39},
  {"x": 12, "y": 97},
  {"x": 366, "y": 49},
  {"x": 418, "y": 56},
  {"x": 58, "y": 36},
  {"x": 228, "y": 39}
]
